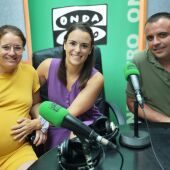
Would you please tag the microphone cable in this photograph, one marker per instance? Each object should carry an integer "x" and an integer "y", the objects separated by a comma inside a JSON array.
[
  {"x": 122, "y": 159},
  {"x": 153, "y": 150},
  {"x": 121, "y": 156}
]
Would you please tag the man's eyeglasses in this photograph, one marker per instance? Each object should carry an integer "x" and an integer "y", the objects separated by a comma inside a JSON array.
[{"x": 17, "y": 48}]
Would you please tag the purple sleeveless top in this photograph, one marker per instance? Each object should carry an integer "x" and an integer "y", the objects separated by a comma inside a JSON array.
[{"x": 59, "y": 94}]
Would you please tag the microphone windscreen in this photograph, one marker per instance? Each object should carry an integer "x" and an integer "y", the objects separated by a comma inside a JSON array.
[
  {"x": 130, "y": 69},
  {"x": 52, "y": 112}
]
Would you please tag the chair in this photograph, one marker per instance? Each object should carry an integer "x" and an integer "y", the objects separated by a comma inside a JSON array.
[{"x": 105, "y": 107}]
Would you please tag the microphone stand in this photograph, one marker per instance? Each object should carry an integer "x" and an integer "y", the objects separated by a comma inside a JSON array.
[
  {"x": 135, "y": 138},
  {"x": 136, "y": 126}
]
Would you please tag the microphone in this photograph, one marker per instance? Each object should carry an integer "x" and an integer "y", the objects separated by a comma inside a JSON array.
[
  {"x": 132, "y": 75},
  {"x": 136, "y": 138},
  {"x": 60, "y": 117}
]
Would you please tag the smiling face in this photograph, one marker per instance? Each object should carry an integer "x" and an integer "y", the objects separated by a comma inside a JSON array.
[
  {"x": 11, "y": 48},
  {"x": 158, "y": 38},
  {"x": 77, "y": 47}
]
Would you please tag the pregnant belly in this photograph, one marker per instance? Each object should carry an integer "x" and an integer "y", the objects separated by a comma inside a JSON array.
[{"x": 7, "y": 143}]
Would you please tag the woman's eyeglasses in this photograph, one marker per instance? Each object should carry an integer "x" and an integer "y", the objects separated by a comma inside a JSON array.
[{"x": 17, "y": 48}]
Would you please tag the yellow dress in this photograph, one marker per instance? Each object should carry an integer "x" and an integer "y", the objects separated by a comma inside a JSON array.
[{"x": 15, "y": 102}]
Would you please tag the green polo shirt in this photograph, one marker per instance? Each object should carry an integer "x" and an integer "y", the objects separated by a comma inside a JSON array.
[{"x": 155, "y": 82}]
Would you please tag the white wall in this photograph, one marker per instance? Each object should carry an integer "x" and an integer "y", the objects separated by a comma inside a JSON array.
[
  {"x": 155, "y": 6},
  {"x": 12, "y": 13}
]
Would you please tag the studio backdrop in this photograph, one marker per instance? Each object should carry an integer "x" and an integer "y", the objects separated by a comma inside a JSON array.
[{"x": 115, "y": 27}]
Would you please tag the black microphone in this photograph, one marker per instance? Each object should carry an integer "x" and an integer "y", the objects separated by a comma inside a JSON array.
[
  {"x": 132, "y": 75},
  {"x": 59, "y": 117}
]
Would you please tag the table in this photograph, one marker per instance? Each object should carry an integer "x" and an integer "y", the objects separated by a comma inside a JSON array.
[{"x": 134, "y": 159}]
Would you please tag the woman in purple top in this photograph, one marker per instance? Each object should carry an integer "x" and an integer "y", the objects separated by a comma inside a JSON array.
[{"x": 72, "y": 81}]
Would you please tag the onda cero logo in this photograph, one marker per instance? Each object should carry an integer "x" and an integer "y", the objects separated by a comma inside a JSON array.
[{"x": 95, "y": 16}]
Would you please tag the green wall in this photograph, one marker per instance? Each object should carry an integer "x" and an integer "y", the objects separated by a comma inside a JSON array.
[{"x": 122, "y": 31}]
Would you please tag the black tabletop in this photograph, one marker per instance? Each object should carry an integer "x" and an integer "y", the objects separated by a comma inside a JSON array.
[{"x": 146, "y": 158}]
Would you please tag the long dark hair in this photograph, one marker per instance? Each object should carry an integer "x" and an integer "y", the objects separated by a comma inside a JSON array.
[{"x": 87, "y": 67}]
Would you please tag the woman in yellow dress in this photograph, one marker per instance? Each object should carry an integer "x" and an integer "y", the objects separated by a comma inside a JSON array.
[{"x": 19, "y": 98}]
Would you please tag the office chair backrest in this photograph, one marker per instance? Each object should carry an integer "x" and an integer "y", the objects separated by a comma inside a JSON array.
[{"x": 56, "y": 52}]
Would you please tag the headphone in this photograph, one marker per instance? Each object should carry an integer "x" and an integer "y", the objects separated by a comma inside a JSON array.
[
  {"x": 71, "y": 155},
  {"x": 105, "y": 128},
  {"x": 70, "y": 152}
]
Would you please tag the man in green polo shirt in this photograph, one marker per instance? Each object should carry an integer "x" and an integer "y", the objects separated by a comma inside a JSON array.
[{"x": 154, "y": 68}]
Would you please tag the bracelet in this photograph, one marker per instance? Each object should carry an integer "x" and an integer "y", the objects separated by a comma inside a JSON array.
[{"x": 44, "y": 124}]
